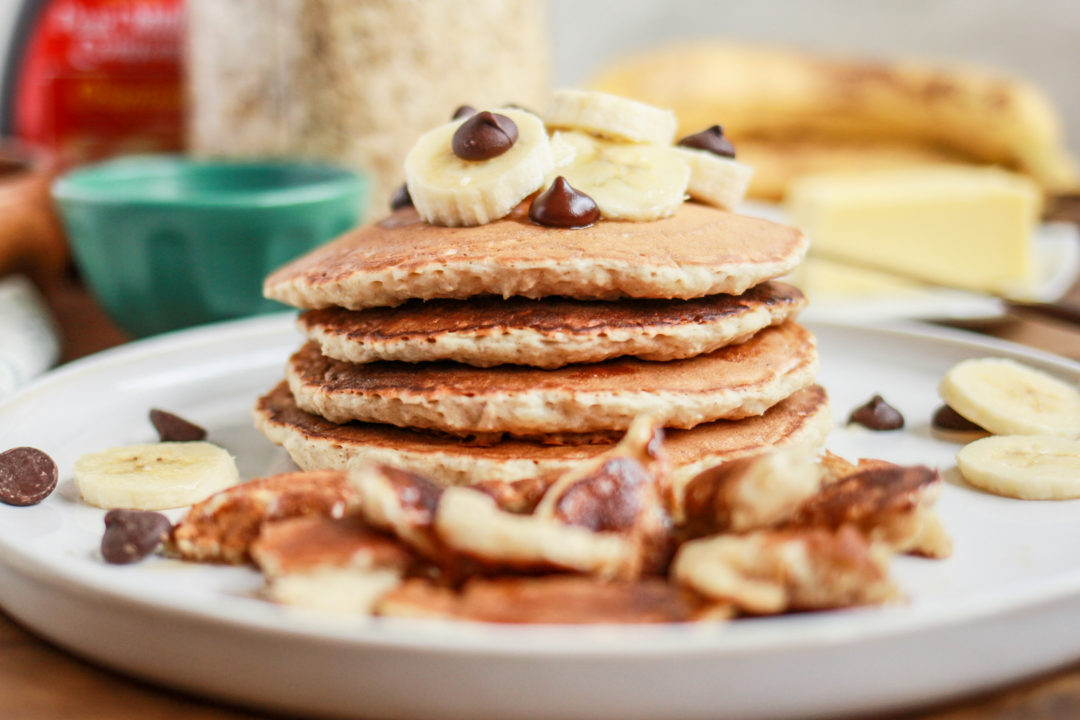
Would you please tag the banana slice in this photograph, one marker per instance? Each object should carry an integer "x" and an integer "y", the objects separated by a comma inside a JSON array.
[
  {"x": 1008, "y": 398},
  {"x": 561, "y": 150},
  {"x": 716, "y": 180},
  {"x": 447, "y": 190},
  {"x": 351, "y": 591},
  {"x": 611, "y": 116},
  {"x": 155, "y": 476},
  {"x": 1029, "y": 467},
  {"x": 627, "y": 181}
]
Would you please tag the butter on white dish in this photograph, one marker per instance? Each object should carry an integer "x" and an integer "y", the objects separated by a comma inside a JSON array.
[
  {"x": 823, "y": 277},
  {"x": 844, "y": 292},
  {"x": 841, "y": 292},
  {"x": 963, "y": 227},
  {"x": 848, "y": 293}
]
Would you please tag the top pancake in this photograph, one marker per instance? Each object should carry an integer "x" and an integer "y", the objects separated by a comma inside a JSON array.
[
  {"x": 698, "y": 251},
  {"x": 549, "y": 333}
]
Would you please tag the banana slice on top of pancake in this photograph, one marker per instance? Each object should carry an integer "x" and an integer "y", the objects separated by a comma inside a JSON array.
[
  {"x": 716, "y": 177},
  {"x": 623, "y": 160},
  {"x": 716, "y": 180},
  {"x": 477, "y": 169},
  {"x": 628, "y": 181},
  {"x": 611, "y": 116},
  {"x": 619, "y": 154}
]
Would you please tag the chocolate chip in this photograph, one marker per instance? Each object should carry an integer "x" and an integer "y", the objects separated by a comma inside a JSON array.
[
  {"x": 563, "y": 206},
  {"x": 483, "y": 136},
  {"x": 131, "y": 535},
  {"x": 946, "y": 418},
  {"x": 877, "y": 415},
  {"x": 464, "y": 111},
  {"x": 401, "y": 198},
  {"x": 711, "y": 139},
  {"x": 173, "y": 428},
  {"x": 27, "y": 476}
]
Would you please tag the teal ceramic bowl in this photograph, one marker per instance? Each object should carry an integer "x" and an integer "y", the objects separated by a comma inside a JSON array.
[{"x": 166, "y": 242}]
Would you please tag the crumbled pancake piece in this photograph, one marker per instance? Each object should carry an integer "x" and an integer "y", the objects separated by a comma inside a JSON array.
[
  {"x": 643, "y": 442},
  {"x": 552, "y": 599},
  {"x": 519, "y": 496},
  {"x": 611, "y": 498},
  {"x": 470, "y": 524},
  {"x": 345, "y": 591},
  {"x": 463, "y": 530},
  {"x": 381, "y": 482},
  {"x": 309, "y": 543},
  {"x": 773, "y": 571},
  {"x": 835, "y": 467},
  {"x": 627, "y": 493},
  {"x": 222, "y": 527},
  {"x": 889, "y": 503},
  {"x": 401, "y": 503},
  {"x": 417, "y": 598},
  {"x": 335, "y": 565},
  {"x": 886, "y": 502},
  {"x": 608, "y": 518},
  {"x": 750, "y": 493}
]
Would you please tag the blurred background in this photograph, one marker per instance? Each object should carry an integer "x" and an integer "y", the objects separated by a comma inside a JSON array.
[
  {"x": 1037, "y": 40},
  {"x": 265, "y": 127}
]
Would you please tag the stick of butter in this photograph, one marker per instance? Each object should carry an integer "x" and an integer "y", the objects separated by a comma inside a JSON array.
[{"x": 967, "y": 227}]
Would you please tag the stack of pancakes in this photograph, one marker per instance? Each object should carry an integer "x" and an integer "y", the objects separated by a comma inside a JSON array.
[{"x": 509, "y": 350}]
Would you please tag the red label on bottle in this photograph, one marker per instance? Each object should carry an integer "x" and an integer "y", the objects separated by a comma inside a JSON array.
[{"x": 103, "y": 77}]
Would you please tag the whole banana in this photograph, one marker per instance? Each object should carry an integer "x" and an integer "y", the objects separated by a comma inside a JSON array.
[{"x": 777, "y": 95}]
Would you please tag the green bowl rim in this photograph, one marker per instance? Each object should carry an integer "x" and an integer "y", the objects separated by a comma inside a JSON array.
[{"x": 340, "y": 182}]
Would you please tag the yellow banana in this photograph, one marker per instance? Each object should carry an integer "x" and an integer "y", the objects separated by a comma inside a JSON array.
[{"x": 784, "y": 95}]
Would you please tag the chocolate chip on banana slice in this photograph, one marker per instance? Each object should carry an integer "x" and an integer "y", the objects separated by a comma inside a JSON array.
[
  {"x": 478, "y": 168},
  {"x": 627, "y": 181}
]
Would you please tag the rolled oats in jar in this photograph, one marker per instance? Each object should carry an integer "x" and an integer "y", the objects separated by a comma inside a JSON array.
[{"x": 351, "y": 82}]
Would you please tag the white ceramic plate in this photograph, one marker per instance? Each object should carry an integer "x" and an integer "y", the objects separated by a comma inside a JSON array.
[
  {"x": 1007, "y": 603},
  {"x": 1057, "y": 263}
]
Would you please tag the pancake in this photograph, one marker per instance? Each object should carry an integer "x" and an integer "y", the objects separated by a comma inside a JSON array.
[
  {"x": 730, "y": 383},
  {"x": 548, "y": 333},
  {"x": 550, "y": 599},
  {"x": 313, "y": 443},
  {"x": 697, "y": 251}
]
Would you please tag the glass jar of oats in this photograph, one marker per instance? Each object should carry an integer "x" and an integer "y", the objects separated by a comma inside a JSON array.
[{"x": 353, "y": 82}]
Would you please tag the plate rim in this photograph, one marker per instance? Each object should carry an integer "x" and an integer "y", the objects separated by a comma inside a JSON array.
[{"x": 462, "y": 638}]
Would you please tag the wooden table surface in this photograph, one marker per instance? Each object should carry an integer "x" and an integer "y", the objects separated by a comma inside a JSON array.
[{"x": 39, "y": 681}]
